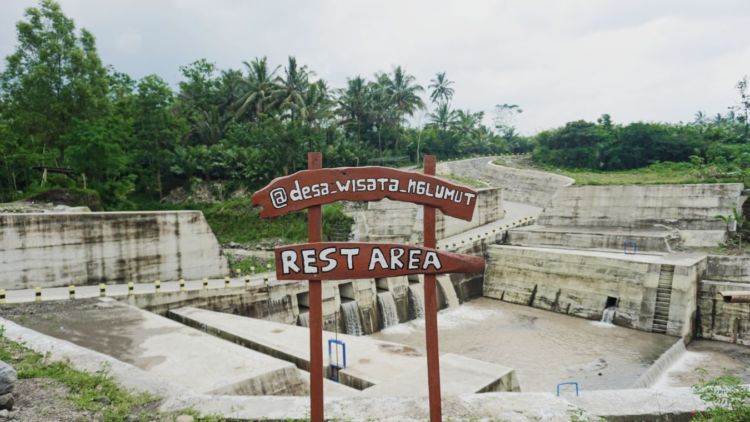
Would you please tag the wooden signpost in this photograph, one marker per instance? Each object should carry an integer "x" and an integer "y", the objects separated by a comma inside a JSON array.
[{"x": 317, "y": 260}]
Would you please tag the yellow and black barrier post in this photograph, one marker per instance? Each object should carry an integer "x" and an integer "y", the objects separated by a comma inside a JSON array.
[
  {"x": 157, "y": 286},
  {"x": 205, "y": 283},
  {"x": 182, "y": 284},
  {"x": 226, "y": 281},
  {"x": 131, "y": 288},
  {"x": 38, "y": 294},
  {"x": 102, "y": 289},
  {"x": 72, "y": 291},
  {"x": 2, "y": 295},
  {"x": 247, "y": 280}
]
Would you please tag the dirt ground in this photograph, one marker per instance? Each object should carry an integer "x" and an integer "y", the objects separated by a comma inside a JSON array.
[{"x": 44, "y": 400}]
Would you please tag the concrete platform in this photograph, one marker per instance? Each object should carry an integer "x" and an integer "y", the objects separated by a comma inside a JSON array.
[
  {"x": 594, "y": 238},
  {"x": 162, "y": 347},
  {"x": 388, "y": 366}
]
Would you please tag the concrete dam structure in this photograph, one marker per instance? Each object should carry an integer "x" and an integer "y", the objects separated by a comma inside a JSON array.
[
  {"x": 561, "y": 300},
  {"x": 49, "y": 250},
  {"x": 392, "y": 221}
]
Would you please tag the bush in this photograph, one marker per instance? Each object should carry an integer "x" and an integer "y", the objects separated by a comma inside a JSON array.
[{"x": 728, "y": 399}]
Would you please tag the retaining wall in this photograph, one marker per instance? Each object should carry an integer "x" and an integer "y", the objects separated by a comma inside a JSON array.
[
  {"x": 685, "y": 207},
  {"x": 519, "y": 185},
  {"x": 579, "y": 283},
  {"x": 48, "y": 250},
  {"x": 719, "y": 320},
  {"x": 399, "y": 222}
]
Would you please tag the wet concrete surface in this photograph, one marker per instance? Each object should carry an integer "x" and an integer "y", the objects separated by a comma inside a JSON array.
[
  {"x": 706, "y": 359},
  {"x": 544, "y": 348}
]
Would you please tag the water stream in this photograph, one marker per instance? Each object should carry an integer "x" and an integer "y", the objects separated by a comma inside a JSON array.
[
  {"x": 388, "y": 311},
  {"x": 352, "y": 324},
  {"x": 416, "y": 301},
  {"x": 304, "y": 319},
  {"x": 451, "y": 299},
  {"x": 609, "y": 315}
]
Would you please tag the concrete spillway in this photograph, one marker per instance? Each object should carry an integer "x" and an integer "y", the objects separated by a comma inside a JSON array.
[
  {"x": 167, "y": 349},
  {"x": 370, "y": 363}
]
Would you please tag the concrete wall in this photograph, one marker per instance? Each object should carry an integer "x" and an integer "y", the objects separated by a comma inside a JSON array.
[
  {"x": 728, "y": 268},
  {"x": 685, "y": 207},
  {"x": 572, "y": 237},
  {"x": 519, "y": 185},
  {"x": 48, "y": 250},
  {"x": 719, "y": 320},
  {"x": 399, "y": 222},
  {"x": 578, "y": 283}
]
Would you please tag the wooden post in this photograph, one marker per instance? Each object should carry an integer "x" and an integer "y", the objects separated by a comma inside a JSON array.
[
  {"x": 430, "y": 308},
  {"x": 314, "y": 234}
]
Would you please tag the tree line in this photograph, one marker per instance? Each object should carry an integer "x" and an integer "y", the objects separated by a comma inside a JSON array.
[
  {"x": 68, "y": 120},
  {"x": 722, "y": 140}
]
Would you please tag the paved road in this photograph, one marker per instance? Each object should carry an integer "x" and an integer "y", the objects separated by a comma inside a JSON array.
[{"x": 516, "y": 214}]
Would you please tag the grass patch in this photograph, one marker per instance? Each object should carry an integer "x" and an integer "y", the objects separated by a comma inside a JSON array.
[
  {"x": 236, "y": 220},
  {"x": 463, "y": 180},
  {"x": 655, "y": 174},
  {"x": 250, "y": 264},
  {"x": 97, "y": 392}
]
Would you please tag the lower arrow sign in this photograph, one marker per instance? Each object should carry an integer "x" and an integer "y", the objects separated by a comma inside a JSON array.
[{"x": 342, "y": 261}]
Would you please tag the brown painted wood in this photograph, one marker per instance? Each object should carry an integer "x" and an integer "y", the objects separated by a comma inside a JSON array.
[
  {"x": 430, "y": 309},
  {"x": 314, "y": 234},
  {"x": 353, "y": 260},
  {"x": 311, "y": 187}
]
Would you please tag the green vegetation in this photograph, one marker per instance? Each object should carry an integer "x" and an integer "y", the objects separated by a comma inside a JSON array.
[
  {"x": 468, "y": 181},
  {"x": 69, "y": 121},
  {"x": 728, "y": 399},
  {"x": 96, "y": 392},
  {"x": 235, "y": 220},
  {"x": 658, "y": 173},
  {"x": 712, "y": 150}
]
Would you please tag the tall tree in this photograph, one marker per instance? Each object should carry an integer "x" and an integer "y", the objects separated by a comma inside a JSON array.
[
  {"x": 441, "y": 91},
  {"x": 53, "y": 80},
  {"x": 157, "y": 130},
  {"x": 292, "y": 88},
  {"x": 442, "y": 117},
  {"x": 259, "y": 89}
]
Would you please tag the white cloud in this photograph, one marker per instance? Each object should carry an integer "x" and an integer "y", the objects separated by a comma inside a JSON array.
[{"x": 560, "y": 60}]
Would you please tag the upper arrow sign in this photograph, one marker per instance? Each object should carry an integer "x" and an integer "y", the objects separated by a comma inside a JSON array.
[{"x": 308, "y": 188}]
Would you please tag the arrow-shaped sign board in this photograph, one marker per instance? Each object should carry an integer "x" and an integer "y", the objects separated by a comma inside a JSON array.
[
  {"x": 308, "y": 188},
  {"x": 344, "y": 261}
]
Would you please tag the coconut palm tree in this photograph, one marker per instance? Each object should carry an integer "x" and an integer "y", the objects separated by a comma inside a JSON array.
[
  {"x": 293, "y": 87},
  {"x": 318, "y": 105},
  {"x": 399, "y": 96},
  {"x": 352, "y": 105},
  {"x": 441, "y": 92},
  {"x": 443, "y": 117},
  {"x": 259, "y": 88}
]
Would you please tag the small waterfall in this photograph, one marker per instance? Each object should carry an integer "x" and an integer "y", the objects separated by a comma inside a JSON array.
[
  {"x": 609, "y": 315},
  {"x": 451, "y": 299},
  {"x": 304, "y": 319},
  {"x": 388, "y": 312},
  {"x": 416, "y": 301},
  {"x": 661, "y": 366},
  {"x": 351, "y": 318}
]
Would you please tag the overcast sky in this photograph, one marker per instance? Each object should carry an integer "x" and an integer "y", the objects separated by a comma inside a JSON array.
[{"x": 559, "y": 60}]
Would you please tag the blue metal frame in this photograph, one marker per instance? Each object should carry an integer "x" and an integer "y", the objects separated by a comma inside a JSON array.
[
  {"x": 332, "y": 341},
  {"x": 632, "y": 243},
  {"x": 567, "y": 383}
]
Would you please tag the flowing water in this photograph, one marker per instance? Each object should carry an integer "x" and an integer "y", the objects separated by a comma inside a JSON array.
[
  {"x": 543, "y": 347},
  {"x": 451, "y": 299},
  {"x": 352, "y": 323},
  {"x": 416, "y": 301},
  {"x": 609, "y": 315},
  {"x": 388, "y": 311},
  {"x": 304, "y": 319}
]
